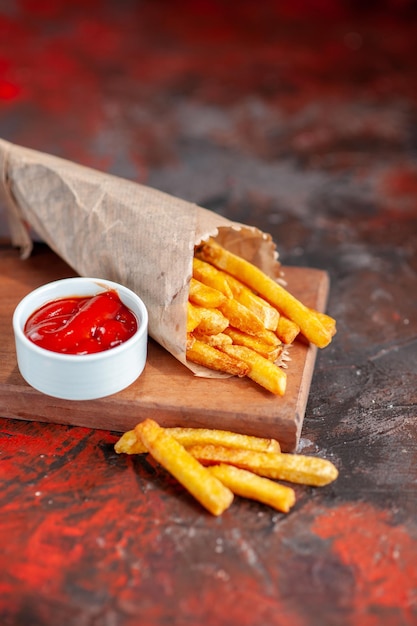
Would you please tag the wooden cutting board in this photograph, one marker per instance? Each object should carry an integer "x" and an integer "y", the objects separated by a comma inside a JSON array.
[{"x": 167, "y": 391}]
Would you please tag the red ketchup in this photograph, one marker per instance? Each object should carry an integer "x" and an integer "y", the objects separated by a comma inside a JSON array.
[{"x": 82, "y": 325}]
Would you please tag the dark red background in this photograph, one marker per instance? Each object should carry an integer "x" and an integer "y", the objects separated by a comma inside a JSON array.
[{"x": 298, "y": 117}]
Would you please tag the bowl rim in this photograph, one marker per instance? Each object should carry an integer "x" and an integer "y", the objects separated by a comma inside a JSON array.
[{"x": 102, "y": 283}]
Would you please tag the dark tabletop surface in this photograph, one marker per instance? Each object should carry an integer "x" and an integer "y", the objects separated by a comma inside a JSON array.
[{"x": 297, "y": 117}]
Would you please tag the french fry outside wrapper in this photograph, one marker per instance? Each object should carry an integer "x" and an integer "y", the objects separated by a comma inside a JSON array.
[{"x": 104, "y": 226}]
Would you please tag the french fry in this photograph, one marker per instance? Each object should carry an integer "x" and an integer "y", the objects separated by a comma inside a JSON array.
[
  {"x": 327, "y": 321},
  {"x": 248, "y": 485},
  {"x": 216, "y": 341},
  {"x": 310, "y": 324},
  {"x": 211, "y": 276},
  {"x": 211, "y": 321},
  {"x": 204, "y": 354},
  {"x": 262, "y": 371},
  {"x": 205, "y": 296},
  {"x": 295, "y": 468},
  {"x": 193, "y": 317},
  {"x": 130, "y": 444},
  {"x": 260, "y": 307},
  {"x": 266, "y": 350},
  {"x": 268, "y": 336},
  {"x": 241, "y": 317},
  {"x": 274, "y": 355},
  {"x": 226, "y": 438},
  {"x": 287, "y": 330},
  {"x": 203, "y": 485}
]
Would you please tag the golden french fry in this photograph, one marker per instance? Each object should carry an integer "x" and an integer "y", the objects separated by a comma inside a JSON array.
[
  {"x": 265, "y": 335},
  {"x": 287, "y": 330},
  {"x": 186, "y": 436},
  {"x": 269, "y": 337},
  {"x": 205, "y": 487},
  {"x": 211, "y": 276},
  {"x": 327, "y": 321},
  {"x": 129, "y": 444},
  {"x": 204, "y": 354},
  {"x": 205, "y": 296},
  {"x": 260, "y": 307},
  {"x": 310, "y": 324},
  {"x": 216, "y": 341},
  {"x": 211, "y": 321},
  {"x": 295, "y": 468},
  {"x": 249, "y": 485},
  {"x": 241, "y": 317},
  {"x": 274, "y": 355},
  {"x": 193, "y": 317},
  {"x": 262, "y": 371},
  {"x": 255, "y": 343},
  {"x": 192, "y": 436}
]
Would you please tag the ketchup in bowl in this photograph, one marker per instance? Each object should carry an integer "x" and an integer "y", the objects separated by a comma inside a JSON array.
[{"x": 82, "y": 325}]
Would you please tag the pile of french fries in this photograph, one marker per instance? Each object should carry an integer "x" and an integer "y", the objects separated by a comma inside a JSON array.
[
  {"x": 214, "y": 465},
  {"x": 240, "y": 321}
]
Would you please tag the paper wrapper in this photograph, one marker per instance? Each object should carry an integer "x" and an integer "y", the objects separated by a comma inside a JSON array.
[{"x": 104, "y": 226}]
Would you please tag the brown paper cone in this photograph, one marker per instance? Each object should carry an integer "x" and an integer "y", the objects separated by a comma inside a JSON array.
[{"x": 108, "y": 227}]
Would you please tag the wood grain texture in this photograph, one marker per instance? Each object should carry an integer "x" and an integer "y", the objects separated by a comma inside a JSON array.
[{"x": 166, "y": 390}]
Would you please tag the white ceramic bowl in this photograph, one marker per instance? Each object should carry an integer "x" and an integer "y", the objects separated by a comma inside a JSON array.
[{"x": 80, "y": 377}]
